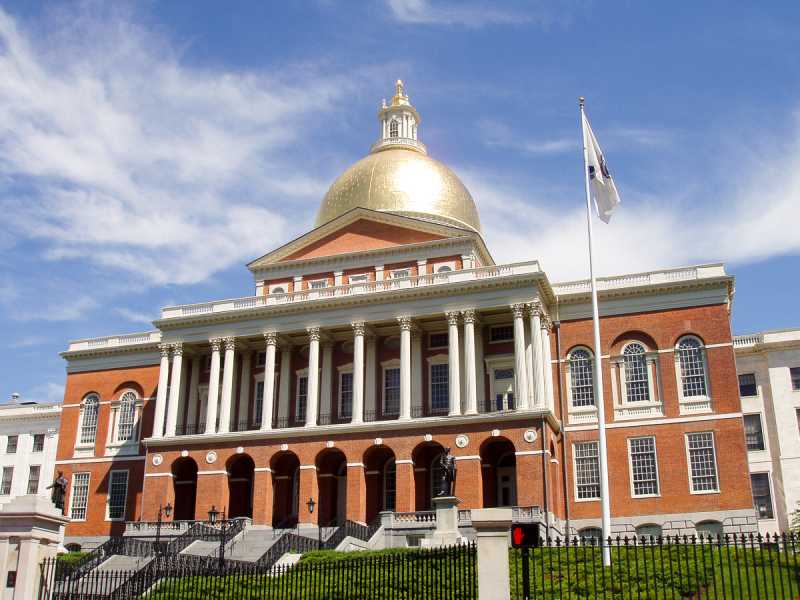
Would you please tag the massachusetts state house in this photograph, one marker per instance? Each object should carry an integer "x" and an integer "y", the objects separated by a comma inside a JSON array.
[{"x": 388, "y": 334}]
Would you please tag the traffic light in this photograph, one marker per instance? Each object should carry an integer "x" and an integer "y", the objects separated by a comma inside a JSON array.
[{"x": 525, "y": 535}]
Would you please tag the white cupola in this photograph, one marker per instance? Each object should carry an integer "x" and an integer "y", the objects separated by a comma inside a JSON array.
[{"x": 399, "y": 121}]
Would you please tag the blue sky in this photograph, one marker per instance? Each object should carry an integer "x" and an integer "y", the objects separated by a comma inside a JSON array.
[{"x": 149, "y": 150}]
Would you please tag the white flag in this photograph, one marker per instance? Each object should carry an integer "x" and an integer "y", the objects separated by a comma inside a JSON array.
[{"x": 604, "y": 192}]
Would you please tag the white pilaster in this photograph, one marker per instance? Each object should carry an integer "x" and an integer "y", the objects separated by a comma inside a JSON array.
[
  {"x": 270, "y": 339},
  {"x": 227, "y": 385},
  {"x": 520, "y": 368},
  {"x": 285, "y": 384},
  {"x": 244, "y": 388},
  {"x": 312, "y": 401},
  {"x": 405, "y": 367},
  {"x": 416, "y": 373},
  {"x": 213, "y": 388},
  {"x": 338, "y": 278},
  {"x": 549, "y": 401},
  {"x": 326, "y": 380},
  {"x": 370, "y": 370},
  {"x": 358, "y": 373},
  {"x": 378, "y": 272},
  {"x": 470, "y": 377},
  {"x": 161, "y": 395},
  {"x": 193, "y": 405},
  {"x": 480, "y": 369},
  {"x": 453, "y": 360},
  {"x": 175, "y": 389},
  {"x": 537, "y": 364}
]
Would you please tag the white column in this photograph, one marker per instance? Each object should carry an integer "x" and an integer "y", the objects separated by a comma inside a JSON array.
[
  {"x": 213, "y": 388},
  {"x": 537, "y": 362},
  {"x": 227, "y": 386},
  {"x": 338, "y": 278},
  {"x": 244, "y": 387},
  {"x": 326, "y": 380},
  {"x": 270, "y": 339},
  {"x": 416, "y": 373},
  {"x": 521, "y": 387},
  {"x": 470, "y": 377},
  {"x": 174, "y": 389},
  {"x": 548, "y": 366},
  {"x": 161, "y": 395},
  {"x": 529, "y": 364},
  {"x": 453, "y": 359},
  {"x": 285, "y": 384},
  {"x": 312, "y": 400},
  {"x": 370, "y": 368},
  {"x": 405, "y": 367},
  {"x": 193, "y": 405},
  {"x": 378, "y": 272},
  {"x": 480, "y": 369},
  {"x": 358, "y": 373}
]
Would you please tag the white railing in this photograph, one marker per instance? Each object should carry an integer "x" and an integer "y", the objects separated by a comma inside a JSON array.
[
  {"x": 353, "y": 289},
  {"x": 640, "y": 279},
  {"x": 399, "y": 141},
  {"x": 747, "y": 340},
  {"x": 115, "y": 341}
]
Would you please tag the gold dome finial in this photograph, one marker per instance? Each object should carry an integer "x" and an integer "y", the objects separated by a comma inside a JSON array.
[{"x": 400, "y": 98}]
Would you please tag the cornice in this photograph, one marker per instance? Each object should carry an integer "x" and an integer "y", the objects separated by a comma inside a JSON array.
[
  {"x": 644, "y": 290},
  {"x": 110, "y": 351}
]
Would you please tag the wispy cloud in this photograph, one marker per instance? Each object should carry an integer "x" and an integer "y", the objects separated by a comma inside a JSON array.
[
  {"x": 472, "y": 14},
  {"x": 45, "y": 392},
  {"x": 134, "y": 316},
  {"x": 28, "y": 341},
  {"x": 496, "y": 134},
  {"x": 45, "y": 300}
]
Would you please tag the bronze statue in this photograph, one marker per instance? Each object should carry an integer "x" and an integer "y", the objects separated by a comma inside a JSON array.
[
  {"x": 59, "y": 487},
  {"x": 447, "y": 478}
]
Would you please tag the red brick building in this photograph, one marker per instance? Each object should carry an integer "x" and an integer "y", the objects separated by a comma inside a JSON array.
[{"x": 386, "y": 335}]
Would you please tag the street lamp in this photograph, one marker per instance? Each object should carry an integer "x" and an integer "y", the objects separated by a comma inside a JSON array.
[
  {"x": 167, "y": 511},
  {"x": 213, "y": 513},
  {"x": 310, "y": 505}
]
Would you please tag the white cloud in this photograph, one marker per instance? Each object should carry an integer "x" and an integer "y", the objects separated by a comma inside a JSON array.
[
  {"x": 496, "y": 134},
  {"x": 53, "y": 299},
  {"x": 135, "y": 161},
  {"x": 134, "y": 316},
  {"x": 469, "y": 14},
  {"x": 28, "y": 341},
  {"x": 48, "y": 392}
]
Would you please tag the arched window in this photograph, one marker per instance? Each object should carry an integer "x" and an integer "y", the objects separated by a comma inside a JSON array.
[
  {"x": 89, "y": 419},
  {"x": 389, "y": 484},
  {"x": 591, "y": 535},
  {"x": 692, "y": 363},
  {"x": 277, "y": 290},
  {"x": 394, "y": 129},
  {"x": 127, "y": 416},
  {"x": 649, "y": 531},
  {"x": 581, "y": 377},
  {"x": 444, "y": 269},
  {"x": 637, "y": 384}
]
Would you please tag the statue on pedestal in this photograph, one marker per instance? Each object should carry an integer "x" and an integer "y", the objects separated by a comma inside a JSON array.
[
  {"x": 59, "y": 487},
  {"x": 447, "y": 478}
]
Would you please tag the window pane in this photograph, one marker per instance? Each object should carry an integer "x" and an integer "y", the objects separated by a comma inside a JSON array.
[
  {"x": 644, "y": 466},
  {"x": 795, "y": 374},
  {"x": 33, "y": 479},
  {"x": 391, "y": 391},
  {"x": 302, "y": 395},
  {"x": 440, "y": 388},
  {"x": 753, "y": 433},
  {"x": 747, "y": 384},
  {"x": 587, "y": 470},
  {"x": 38, "y": 442},
  {"x": 117, "y": 494},
  {"x": 693, "y": 368},
  {"x": 438, "y": 340},
  {"x": 346, "y": 395},
  {"x": 762, "y": 498},
  {"x": 5, "y": 485},
  {"x": 127, "y": 415},
  {"x": 702, "y": 462},
  {"x": 80, "y": 495},
  {"x": 503, "y": 333},
  {"x": 89, "y": 420},
  {"x": 259, "y": 404},
  {"x": 581, "y": 378},
  {"x": 389, "y": 485},
  {"x": 11, "y": 447},
  {"x": 636, "y": 377}
]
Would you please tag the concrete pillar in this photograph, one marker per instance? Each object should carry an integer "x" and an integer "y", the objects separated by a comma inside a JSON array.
[
  {"x": 520, "y": 368},
  {"x": 227, "y": 385},
  {"x": 405, "y": 368},
  {"x": 175, "y": 389},
  {"x": 358, "y": 373},
  {"x": 213, "y": 389},
  {"x": 270, "y": 339},
  {"x": 312, "y": 400},
  {"x": 470, "y": 377},
  {"x": 27, "y": 571},
  {"x": 537, "y": 362},
  {"x": 453, "y": 359},
  {"x": 491, "y": 532},
  {"x": 161, "y": 394},
  {"x": 356, "y": 493}
]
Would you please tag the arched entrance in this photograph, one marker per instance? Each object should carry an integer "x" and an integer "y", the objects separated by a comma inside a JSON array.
[
  {"x": 499, "y": 473},
  {"x": 427, "y": 472},
  {"x": 381, "y": 480},
  {"x": 332, "y": 483},
  {"x": 184, "y": 483},
  {"x": 241, "y": 469},
  {"x": 285, "y": 489}
]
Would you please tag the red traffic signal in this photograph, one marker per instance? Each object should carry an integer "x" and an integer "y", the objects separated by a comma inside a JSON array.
[{"x": 525, "y": 535}]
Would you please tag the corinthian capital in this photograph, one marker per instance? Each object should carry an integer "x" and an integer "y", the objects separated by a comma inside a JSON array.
[
  {"x": 358, "y": 328},
  {"x": 177, "y": 349},
  {"x": 270, "y": 338},
  {"x": 452, "y": 317},
  {"x": 406, "y": 324},
  {"x": 230, "y": 343},
  {"x": 165, "y": 349},
  {"x": 216, "y": 344},
  {"x": 470, "y": 316},
  {"x": 313, "y": 334},
  {"x": 535, "y": 308},
  {"x": 518, "y": 310}
]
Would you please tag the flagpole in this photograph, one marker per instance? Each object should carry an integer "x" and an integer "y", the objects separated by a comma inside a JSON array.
[{"x": 605, "y": 500}]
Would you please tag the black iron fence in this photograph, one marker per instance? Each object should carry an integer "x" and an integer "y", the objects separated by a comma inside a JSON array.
[
  {"x": 437, "y": 574},
  {"x": 680, "y": 567}
]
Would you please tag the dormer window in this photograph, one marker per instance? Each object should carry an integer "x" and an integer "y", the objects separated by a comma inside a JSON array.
[
  {"x": 394, "y": 129},
  {"x": 400, "y": 273},
  {"x": 277, "y": 290},
  {"x": 318, "y": 284}
]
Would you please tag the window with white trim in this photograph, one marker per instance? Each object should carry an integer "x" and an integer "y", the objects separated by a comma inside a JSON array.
[
  {"x": 581, "y": 377},
  {"x": 346, "y": 394},
  {"x": 401, "y": 273},
  {"x": 762, "y": 495},
  {"x": 753, "y": 432},
  {"x": 5, "y": 484},
  {"x": 391, "y": 391},
  {"x": 644, "y": 466},
  {"x": 362, "y": 278},
  {"x": 38, "y": 442},
  {"x": 692, "y": 363},
  {"x": 440, "y": 387},
  {"x": 587, "y": 470},
  {"x": 702, "y": 462},
  {"x": 89, "y": 408},
  {"x": 126, "y": 416},
  {"x": 277, "y": 289},
  {"x": 318, "y": 284},
  {"x": 637, "y": 379},
  {"x": 444, "y": 269},
  {"x": 117, "y": 495},
  {"x": 80, "y": 496},
  {"x": 11, "y": 445},
  {"x": 302, "y": 398},
  {"x": 747, "y": 385},
  {"x": 501, "y": 333},
  {"x": 33, "y": 479}
]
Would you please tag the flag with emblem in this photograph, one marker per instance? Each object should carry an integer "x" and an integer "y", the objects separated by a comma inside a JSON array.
[{"x": 601, "y": 184}]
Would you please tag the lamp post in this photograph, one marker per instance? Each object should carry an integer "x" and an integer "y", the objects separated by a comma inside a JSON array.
[
  {"x": 213, "y": 513},
  {"x": 167, "y": 511},
  {"x": 310, "y": 505}
]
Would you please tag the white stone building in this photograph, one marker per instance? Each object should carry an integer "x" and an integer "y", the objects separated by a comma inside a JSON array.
[
  {"x": 28, "y": 443},
  {"x": 768, "y": 365}
]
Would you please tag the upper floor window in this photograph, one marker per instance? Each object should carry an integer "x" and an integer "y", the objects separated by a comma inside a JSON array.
[
  {"x": 587, "y": 470},
  {"x": 438, "y": 340},
  {"x": 302, "y": 398},
  {"x": 11, "y": 446},
  {"x": 89, "y": 410},
  {"x": 794, "y": 372},
  {"x": 391, "y": 391},
  {"x": 5, "y": 484},
  {"x": 753, "y": 432},
  {"x": 38, "y": 442},
  {"x": 637, "y": 381},
  {"x": 581, "y": 377},
  {"x": 692, "y": 363},
  {"x": 762, "y": 496},
  {"x": 346, "y": 395},
  {"x": 747, "y": 385},
  {"x": 394, "y": 129},
  {"x": 644, "y": 466},
  {"x": 440, "y": 388},
  {"x": 126, "y": 417},
  {"x": 702, "y": 462},
  {"x": 501, "y": 333},
  {"x": 318, "y": 284}
]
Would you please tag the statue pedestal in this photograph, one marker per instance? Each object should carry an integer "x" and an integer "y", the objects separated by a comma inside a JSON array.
[{"x": 446, "y": 532}]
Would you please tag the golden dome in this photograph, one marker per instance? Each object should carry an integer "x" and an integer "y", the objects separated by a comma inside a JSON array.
[{"x": 405, "y": 182}]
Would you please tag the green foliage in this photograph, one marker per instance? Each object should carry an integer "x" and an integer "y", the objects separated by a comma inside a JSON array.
[
  {"x": 70, "y": 558},
  {"x": 795, "y": 524}
]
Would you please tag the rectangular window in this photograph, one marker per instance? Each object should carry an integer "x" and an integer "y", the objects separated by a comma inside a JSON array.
[
  {"x": 400, "y": 273},
  {"x": 762, "y": 497},
  {"x": 702, "y": 462},
  {"x": 11, "y": 447},
  {"x": 318, "y": 284},
  {"x": 80, "y": 496},
  {"x": 440, "y": 388},
  {"x": 259, "y": 402},
  {"x": 358, "y": 278},
  {"x": 38, "y": 442},
  {"x": 33, "y": 479},
  {"x": 261, "y": 359},
  {"x": 587, "y": 470},
  {"x": 391, "y": 391},
  {"x": 438, "y": 340},
  {"x": 794, "y": 372},
  {"x": 302, "y": 397},
  {"x": 747, "y": 384},
  {"x": 5, "y": 485},
  {"x": 346, "y": 395},
  {"x": 753, "y": 434},
  {"x": 644, "y": 466},
  {"x": 117, "y": 495},
  {"x": 501, "y": 333}
]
